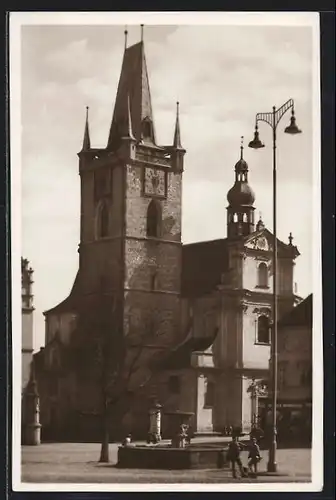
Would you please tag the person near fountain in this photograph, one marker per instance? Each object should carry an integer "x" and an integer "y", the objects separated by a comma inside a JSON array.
[
  {"x": 235, "y": 448},
  {"x": 254, "y": 457},
  {"x": 128, "y": 440}
]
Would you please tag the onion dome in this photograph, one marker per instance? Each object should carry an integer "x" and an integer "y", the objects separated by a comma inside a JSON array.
[{"x": 240, "y": 194}]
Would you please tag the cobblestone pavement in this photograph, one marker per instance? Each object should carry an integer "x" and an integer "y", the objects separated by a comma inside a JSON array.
[{"x": 78, "y": 463}]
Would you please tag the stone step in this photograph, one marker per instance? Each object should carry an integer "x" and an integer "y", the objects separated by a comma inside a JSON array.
[{"x": 207, "y": 434}]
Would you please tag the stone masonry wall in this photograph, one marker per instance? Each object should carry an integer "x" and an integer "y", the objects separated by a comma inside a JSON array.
[{"x": 136, "y": 206}]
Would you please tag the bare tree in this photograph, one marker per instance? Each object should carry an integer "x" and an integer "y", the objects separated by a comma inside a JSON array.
[{"x": 118, "y": 365}]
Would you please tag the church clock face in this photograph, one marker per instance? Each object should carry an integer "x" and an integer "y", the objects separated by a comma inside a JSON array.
[{"x": 154, "y": 182}]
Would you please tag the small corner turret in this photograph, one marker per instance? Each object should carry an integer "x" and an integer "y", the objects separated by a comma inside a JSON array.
[
  {"x": 178, "y": 151},
  {"x": 26, "y": 285}
]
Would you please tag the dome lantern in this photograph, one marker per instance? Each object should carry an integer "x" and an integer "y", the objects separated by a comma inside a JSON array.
[{"x": 240, "y": 212}]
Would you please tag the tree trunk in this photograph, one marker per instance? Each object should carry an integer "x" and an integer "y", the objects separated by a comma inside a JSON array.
[{"x": 104, "y": 451}]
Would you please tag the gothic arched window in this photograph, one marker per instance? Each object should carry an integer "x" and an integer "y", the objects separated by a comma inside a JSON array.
[
  {"x": 103, "y": 221},
  {"x": 263, "y": 335},
  {"x": 263, "y": 275},
  {"x": 153, "y": 219}
]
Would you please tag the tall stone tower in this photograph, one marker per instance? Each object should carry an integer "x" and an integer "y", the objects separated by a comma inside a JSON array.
[{"x": 130, "y": 228}]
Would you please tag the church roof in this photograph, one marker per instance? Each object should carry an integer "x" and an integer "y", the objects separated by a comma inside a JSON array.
[
  {"x": 179, "y": 356},
  {"x": 301, "y": 315},
  {"x": 133, "y": 85},
  {"x": 70, "y": 303},
  {"x": 204, "y": 263},
  {"x": 202, "y": 266}
]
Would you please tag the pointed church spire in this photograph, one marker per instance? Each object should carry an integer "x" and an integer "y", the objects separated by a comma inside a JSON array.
[
  {"x": 177, "y": 133},
  {"x": 134, "y": 82},
  {"x": 142, "y": 31},
  {"x": 86, "y": 139}
]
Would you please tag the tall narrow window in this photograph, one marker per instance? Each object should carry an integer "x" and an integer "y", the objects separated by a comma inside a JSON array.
[
  {"x": 103, "y": 183},
  {"x": 263, "y": 275},
  {"x": 153, "y": 280},
  {"x": 209, "y": 399},
  {"x": 263, "y": 330},
  {"x": 103, "y": 221},
  {"x": 153, "y": 219}
]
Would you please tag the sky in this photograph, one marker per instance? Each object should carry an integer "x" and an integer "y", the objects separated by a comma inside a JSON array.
[{"x": 221, "y": 75}]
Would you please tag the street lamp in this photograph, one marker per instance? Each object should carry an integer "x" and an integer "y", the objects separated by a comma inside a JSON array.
[{"x": 273, "y": 118}]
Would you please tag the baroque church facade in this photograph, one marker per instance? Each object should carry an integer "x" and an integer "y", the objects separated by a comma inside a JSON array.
[{"x": 206, "y": 306}]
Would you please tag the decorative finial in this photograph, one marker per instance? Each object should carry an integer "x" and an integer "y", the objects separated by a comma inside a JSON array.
[
  {"x": 260, "y": 215},
  {"x": 125, "y": 33},
  {"x": 142, "y": 31},
  {"x": 241, "y": 146},
  {"x": 260, "y": 224},
  {"x": 290, "y": 239}
]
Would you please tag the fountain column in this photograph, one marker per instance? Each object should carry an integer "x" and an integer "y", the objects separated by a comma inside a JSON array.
[
  {"x": 32, "y": 413},
  {"x": 155, "y": 424}
]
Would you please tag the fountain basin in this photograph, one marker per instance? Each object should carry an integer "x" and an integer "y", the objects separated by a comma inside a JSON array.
[{"x": 169, "y": 458}]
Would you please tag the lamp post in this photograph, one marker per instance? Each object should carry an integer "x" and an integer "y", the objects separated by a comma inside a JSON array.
[{"x": 273, "y": 118}]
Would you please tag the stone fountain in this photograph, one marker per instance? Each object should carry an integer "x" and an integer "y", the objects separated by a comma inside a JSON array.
[
  {"x": 178, "y": 428},
  {"x": 179, "y": 453}
]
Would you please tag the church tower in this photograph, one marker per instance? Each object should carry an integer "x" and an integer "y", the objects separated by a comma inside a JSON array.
[
  {"x": 27, "y": 319},
  {"x": 240, "y": 212},
  {"x": 130, "y": 229}
]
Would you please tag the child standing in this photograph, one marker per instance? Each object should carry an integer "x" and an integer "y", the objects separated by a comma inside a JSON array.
[
  {"x": 254, "y": 456},
  {"x": 234, "y": 456}
]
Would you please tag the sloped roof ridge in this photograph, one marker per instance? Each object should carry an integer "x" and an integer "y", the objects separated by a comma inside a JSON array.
[
  {"x": 68, "y": 300},
  {"x": 205, "y": 242},
  {"x": 295, "y": 315}
]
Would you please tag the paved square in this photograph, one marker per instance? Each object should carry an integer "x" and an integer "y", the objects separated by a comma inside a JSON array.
[{"x": 78, "y": 463}]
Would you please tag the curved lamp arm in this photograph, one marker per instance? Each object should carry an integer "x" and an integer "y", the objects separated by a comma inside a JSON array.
[{"x": 274, "y": 117}]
